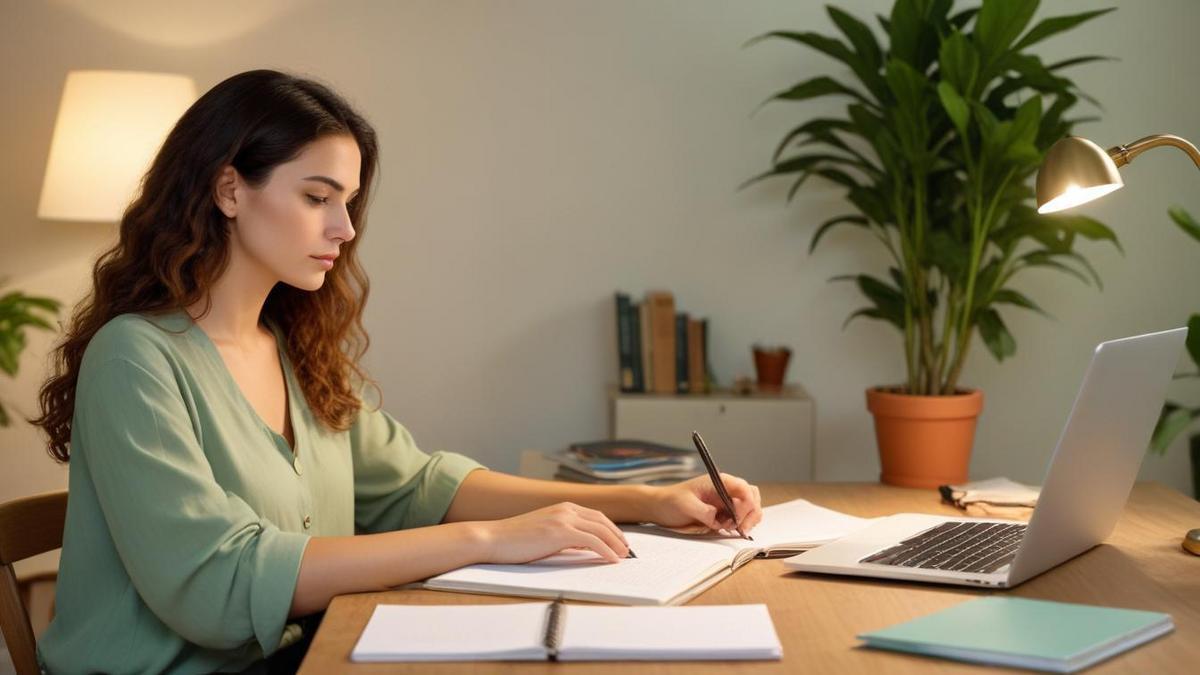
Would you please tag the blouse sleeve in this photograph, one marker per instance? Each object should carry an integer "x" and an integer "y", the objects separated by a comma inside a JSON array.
[
  {"x": 201, "y": 559},
  {"x": 396, "y": 485}
]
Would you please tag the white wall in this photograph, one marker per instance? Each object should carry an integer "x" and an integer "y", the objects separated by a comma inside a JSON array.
[{"x": 539, "y": 155}]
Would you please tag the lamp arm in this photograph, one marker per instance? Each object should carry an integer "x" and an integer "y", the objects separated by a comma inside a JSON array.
[{"x": 1124, "y": 154}]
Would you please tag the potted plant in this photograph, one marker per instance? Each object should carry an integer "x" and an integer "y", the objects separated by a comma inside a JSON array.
[
  {"x": 17, "y": 311},
  {"x": 1177, "y": 417},
  {"x": 947, "y": 120}
]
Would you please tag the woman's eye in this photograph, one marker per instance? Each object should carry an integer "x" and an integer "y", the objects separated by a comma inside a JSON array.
[{"x": 317, "y": 200}]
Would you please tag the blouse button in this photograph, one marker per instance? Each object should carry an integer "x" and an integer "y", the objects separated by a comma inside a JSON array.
[{"x": 307, "y": 522}]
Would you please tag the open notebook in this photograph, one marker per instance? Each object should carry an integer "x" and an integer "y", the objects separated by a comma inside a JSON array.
[
  {"x": 670, "y": 568},
  {"x": 536, "y": 631}
]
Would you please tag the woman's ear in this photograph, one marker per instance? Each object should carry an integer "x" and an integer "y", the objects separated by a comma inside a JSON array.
[{"x": 224, "y": 191}]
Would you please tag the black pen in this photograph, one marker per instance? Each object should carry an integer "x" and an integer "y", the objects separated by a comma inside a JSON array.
[{"x": 715, "y": 475}]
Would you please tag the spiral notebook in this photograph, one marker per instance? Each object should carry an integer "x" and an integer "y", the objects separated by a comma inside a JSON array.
[{"x": 539, "y": 631}]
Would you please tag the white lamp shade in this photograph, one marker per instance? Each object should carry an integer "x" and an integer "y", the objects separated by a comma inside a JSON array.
[{"x": 110, "y": 124}]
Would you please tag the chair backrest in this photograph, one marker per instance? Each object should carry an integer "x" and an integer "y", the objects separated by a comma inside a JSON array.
[{"x": 28, "y": 526}]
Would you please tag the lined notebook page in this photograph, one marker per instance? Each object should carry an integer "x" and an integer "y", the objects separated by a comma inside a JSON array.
[
  {"x": 511, "y": 632},
  {"x": 799, "y": 523},
  {"x": 667, "y": 563},
  {"x": 668, "y": 633},
  {"x": 664, "y": 568}
]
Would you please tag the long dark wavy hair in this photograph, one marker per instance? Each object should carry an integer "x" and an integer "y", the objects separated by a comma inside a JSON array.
[{"x": 174, "y": 242}]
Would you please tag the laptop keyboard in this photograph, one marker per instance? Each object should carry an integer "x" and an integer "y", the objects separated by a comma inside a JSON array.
[{"x": 956, "y": 545}]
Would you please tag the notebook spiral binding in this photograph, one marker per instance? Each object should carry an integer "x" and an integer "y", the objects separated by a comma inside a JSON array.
[{"x": 553, "y": 628}]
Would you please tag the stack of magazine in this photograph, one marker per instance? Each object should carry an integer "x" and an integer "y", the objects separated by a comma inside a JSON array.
[{"x": 626, "y": 461}]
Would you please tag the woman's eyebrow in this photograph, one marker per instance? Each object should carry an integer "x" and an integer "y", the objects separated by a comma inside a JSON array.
[{"x": 329, "y": 181}]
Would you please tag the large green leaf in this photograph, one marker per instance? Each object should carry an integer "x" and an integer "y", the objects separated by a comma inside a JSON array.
[
  {"x": 867, "y": 74},
  {"x": 1089, "y": 228},
  {"x": 906, "y": 84},
  {"x": 995, "y": 334},
  {"x": 1041, "y": 258},
  {"x": 956, "y": 108},
  {"x": 1193, "y": 338},
  {"x": 1078, "y": 60},
  {"x": 1025, "y": 122},
  {"x": 1012, "y": 297},
  {"x": 947, "y": 254},
  {"x": 1173, "y": 420},
  {"x": 834, "y": 222},
  {"x": 888, "y": 301},
  {"x": 812, "y": 127},
  {"x": 815, "y": 88},
  {"x": 904, "y": 28},
  {"x": 859, "y": 35},
  {"x": 1185, "y": 221},
  {"x": 999, "y": 23},
  {"x": 1057, "y": 24},
  {"x": 870, "y": 203},
  {"x": 797, "y": 165},
  {"x": 959, "y": 63}
]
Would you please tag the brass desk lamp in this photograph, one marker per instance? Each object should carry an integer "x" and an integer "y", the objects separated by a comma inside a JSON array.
[{"x": 1077, "y": 170}]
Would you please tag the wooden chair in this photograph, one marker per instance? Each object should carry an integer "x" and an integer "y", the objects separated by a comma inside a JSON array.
[{"x": 28, "y": 526}]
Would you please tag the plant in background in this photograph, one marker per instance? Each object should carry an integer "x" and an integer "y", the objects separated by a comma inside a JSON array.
[
  {"x": 17, "y": 311},
  {"x": 1175, "y": 416},
  {"x": 946, "y": 123}
]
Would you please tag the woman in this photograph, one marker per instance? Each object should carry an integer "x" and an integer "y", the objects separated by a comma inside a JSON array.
[{"x": 227, "y": 476}]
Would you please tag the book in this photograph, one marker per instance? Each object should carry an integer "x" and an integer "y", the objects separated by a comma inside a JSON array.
[
  {"x": 681, "y": 353},
  {"x": 671, "y": 566},
  {"x": 1036, "y": 634},
  {"x": 658, "y": 476},
  {"x": 627, "y": 449},
  {"x": 695, "y": 370},
  {"x": 662, "y": 338},
  {"x": 539, "y": 631},
  {"x": 645, "y": 341},
  {"x": 680, "y": 467},
  {"x": 709, "y": 377},
  {"x": 624, "y": 342},
  {"x": 635, "y": 333}
]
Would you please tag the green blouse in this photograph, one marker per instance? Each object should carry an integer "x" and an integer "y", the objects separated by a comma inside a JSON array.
[{"x": 188, "y": 515}]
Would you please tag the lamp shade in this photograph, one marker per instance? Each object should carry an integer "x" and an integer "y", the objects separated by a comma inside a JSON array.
[
  {"x": 110, "y": 124},
  {"x": 1075, "y": 171}
]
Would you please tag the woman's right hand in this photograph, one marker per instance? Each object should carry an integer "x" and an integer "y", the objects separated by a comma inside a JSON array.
[{"x": 551, "y": 529}]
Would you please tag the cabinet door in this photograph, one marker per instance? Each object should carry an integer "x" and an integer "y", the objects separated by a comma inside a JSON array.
[{"x": 760, "y": 440}]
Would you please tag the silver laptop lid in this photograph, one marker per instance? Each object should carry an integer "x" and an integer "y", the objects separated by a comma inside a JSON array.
[{"x": 1101, "y": 448}]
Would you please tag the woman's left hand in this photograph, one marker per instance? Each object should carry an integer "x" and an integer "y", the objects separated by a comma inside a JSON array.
[{"x": 695, "y": 506}]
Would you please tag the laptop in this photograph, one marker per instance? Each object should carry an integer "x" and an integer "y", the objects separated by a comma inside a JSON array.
[{"x": 1091, "y": 473}]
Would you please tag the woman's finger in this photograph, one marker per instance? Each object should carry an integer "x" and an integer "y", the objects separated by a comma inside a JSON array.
[
  {"x": 756, "y": 515},
  {"x": 612, "y": 543},
  {"x": 599, "y": 517}
]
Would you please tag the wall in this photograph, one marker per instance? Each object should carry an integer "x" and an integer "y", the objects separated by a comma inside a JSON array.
[{"x": 539, "y": 155}]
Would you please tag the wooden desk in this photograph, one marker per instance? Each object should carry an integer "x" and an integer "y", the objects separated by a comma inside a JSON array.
[{"x": 1140, "y": 566}]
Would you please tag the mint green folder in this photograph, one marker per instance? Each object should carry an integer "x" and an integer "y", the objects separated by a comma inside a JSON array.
[{"x": 1036, "y": 634}]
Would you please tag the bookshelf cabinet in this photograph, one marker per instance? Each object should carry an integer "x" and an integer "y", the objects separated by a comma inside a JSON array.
[{"x": 760, "y": 437}]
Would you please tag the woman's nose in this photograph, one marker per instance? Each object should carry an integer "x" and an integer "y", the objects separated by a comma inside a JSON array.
[{"x": 343, "y": 229}]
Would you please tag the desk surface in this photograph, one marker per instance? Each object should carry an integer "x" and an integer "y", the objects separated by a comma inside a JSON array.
[{"x": 1140, "y": 566}]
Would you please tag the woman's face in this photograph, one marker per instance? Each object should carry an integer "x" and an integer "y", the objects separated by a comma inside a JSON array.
[{"x": 292, "y": 226}]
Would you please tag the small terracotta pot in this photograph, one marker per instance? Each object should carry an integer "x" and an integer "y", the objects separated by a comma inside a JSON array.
[
  {"x": 770, "y": 364},
  {"x": 924, "y": 441}
]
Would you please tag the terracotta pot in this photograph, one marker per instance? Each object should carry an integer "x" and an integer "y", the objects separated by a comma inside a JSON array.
[
  {"x": 924, "y": 441},
  {"x": 770, "y": 364}
]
